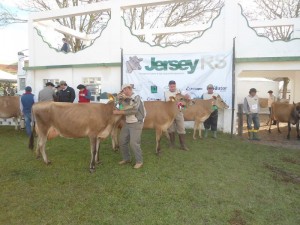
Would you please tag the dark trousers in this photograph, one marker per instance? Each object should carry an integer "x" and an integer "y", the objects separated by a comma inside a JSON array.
[{"x": 212, "y": 121}]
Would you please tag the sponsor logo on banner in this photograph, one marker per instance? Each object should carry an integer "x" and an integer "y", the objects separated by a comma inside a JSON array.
[
  {"x": 193, "y": 88},
  {"x": 220, "y": 88},
  {"x": 133, "y": 64}
]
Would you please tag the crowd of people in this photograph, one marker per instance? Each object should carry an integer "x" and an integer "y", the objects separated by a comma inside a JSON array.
[{"x": 130, "y": 135}]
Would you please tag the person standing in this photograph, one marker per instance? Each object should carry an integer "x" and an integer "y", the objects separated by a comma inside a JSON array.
[
  {"x": 65, "y": 48},
  {"x": 84, "y": 94},
  {"x": 212, "y": 121},
  {"x": 47, "y": 93},
  {"x": 66, "y": 93},
  {"x": 178, "y": 124},
  {"x": 271, "y": 99},
  {"x": 132, "y": 130},
  {"x": 251, "y": 108},
  {"x": 27, "y": 101}
]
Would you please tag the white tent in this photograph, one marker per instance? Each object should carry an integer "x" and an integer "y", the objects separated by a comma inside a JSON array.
[{"x": 4, "y": 76}]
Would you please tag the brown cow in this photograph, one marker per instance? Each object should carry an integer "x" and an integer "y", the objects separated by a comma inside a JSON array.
[
  {"x": 160, "y": 116},
  {"x": 201, "y": 110},
  {"x": 10, "y": 108},
  {"x": 95, "y": 121},
  {"x": 286, "y": 113}
]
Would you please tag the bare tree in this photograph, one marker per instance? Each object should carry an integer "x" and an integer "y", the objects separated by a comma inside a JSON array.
[
  {"x": 8, "y": 17},
  {"x": 92, "y": 23},
  {"x": 171, "y": 15},
  {"x": 271, "y": 10}
]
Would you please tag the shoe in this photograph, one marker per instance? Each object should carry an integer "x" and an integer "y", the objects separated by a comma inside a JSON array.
[
  {"x": 123, "y": 162},
  {"x": 138, "y": 165}
]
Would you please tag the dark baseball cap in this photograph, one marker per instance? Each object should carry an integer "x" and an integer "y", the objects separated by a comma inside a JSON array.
[
  {"x": 172, "y": 82},
  {"x": 252, "y": 90},
  {"x": 49, "y": 84}
]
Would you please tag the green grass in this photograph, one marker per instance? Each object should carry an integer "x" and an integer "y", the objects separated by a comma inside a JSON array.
[{"x": 223, "y": 181}]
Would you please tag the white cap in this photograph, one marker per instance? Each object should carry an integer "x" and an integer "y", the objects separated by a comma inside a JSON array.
[{"x": 125, "y": 86}]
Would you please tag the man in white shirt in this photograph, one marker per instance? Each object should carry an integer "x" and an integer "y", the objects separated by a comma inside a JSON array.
[{"x": 178, "y": 124}]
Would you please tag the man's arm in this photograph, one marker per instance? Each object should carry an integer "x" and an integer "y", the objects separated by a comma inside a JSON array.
[{"x": 72, "y": 95}]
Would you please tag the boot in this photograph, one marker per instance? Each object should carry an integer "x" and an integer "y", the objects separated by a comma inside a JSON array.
[
  {"x": 172, "y": 140},
  {"x": 255, "y": 135},
  {"x": 250, "y": 135},
  {"x": 182, "y": 142},
  {"x": 214, "y": 134},
  {"x": 205, "y": 133}
]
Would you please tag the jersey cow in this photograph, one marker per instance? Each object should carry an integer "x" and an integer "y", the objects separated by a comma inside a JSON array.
[
  {"x": 201, "y": 110},
  {"x": 286, "y": 113},
  {"x": 10, "y": 108},
  {"x": 95, "y": 121}
]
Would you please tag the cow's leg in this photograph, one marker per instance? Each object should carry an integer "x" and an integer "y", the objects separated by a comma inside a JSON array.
[
  {"x": 278, "y": 129},
  {"x": 93, "y": 144},
  {"x": 297, "y": 129},
  {"x": 41, "y": 148},
  {"x": 289, "y": 131},
  {"x": 97, "y": 151},
  {"x": 158, "y": 137},
  {"x": 197, "y": 126},
  {"x": 270, "y": 124},
  {"x": 15, "y": 119},
  {"x": 114, "y": 139}
]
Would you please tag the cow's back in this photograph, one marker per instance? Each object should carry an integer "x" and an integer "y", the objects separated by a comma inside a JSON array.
[
  {"x": 201, "y": 108},
  {"x": 73, "y": 120},
  {"x": 9, "y": 106},
  {"x": 159, "y": 113},
  {"x": 281, "y": 111}
]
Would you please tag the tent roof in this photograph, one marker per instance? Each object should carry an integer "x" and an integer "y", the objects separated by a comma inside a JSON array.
[{"x": 7, "y": 76}]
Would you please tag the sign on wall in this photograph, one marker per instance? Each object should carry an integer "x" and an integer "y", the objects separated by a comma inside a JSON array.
[{"x": 150, "y": 74}]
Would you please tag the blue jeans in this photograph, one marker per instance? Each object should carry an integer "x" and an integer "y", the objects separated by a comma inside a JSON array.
[
  {"x": 27, "y": 117},
  {"x": 253, "y": 117}
]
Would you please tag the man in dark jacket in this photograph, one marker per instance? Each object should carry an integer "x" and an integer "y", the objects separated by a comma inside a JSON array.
[
  {"x": 27, "y": 100},
  {"x": 66, "y": 93}
]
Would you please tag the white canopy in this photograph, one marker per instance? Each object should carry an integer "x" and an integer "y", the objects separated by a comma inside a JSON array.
[{"x": 7, "y": 76}]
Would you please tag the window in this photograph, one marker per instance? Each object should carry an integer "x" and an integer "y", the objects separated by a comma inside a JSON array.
[
  {"x": 54, "y": 81},
  {"x": 93, "y": 84},
  {"x": 22, "y": 82}
]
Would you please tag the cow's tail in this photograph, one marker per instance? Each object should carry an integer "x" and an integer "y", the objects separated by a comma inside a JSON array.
[{"x": 31, "y": 139}]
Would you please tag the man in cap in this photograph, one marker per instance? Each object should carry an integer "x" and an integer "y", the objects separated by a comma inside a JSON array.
[
  {"x": 84, "y": 94},
  {"x": 271, "y": 99},
  {"x": 66, "y": 93},
  {"x": 27, "y": 100},
  {"x": 132, "y": 130},
  {"x": 251, "y": 108},
  {"x": 47, "y": 93},
  {"x": 212, "y": 121},
  {"x": 178, "y": 124}
]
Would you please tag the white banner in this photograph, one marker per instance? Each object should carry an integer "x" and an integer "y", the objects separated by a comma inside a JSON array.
[{"x": 150, "y": 74}]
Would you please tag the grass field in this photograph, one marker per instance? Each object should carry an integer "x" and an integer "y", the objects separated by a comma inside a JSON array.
[{"x": 223, "y": 181}]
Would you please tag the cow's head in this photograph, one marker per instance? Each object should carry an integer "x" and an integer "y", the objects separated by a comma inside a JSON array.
[
  {"x": 219, "y": 102},
  {"x": 183, "y": 100},
  {"x": 296, "y": 111}
]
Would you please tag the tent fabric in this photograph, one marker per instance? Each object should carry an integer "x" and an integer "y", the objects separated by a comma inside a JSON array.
[{"x": 7, "y": 76}]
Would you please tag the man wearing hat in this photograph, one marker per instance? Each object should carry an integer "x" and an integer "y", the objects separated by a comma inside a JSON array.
[
  {"x": 132, "y": 130},
  {"x": 251, "y": 108},
  {"x": 66, "y": 93},
  {"x": 271, "y": 99},
  {"x": 47, "y": 93},
  {"x": 212, "y": 121},
  {"x": 27, "y": 100},
  {"x": 178, "y": 124},
  {"x": 84, "y": 94}
]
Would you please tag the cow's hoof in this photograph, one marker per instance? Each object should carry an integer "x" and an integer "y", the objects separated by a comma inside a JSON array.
[
  {"x": 92, "y": 170},
  {"x": 48, "y": 163},
  {"x": 99, "y": 162}
]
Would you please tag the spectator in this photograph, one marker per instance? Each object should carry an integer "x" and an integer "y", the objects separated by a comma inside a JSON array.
[
  {"x": 47, "y": 93},
  {"x": 66, "y": 93},
  {"x": 27, "y": 100},
  {"x": 251, "y": 108},
  {"x": 212, "y": 121},
  {"x": 132, "y": 130},
  {"x": 65, "y": 48},
  {"x": 178, "y": 124},
  {"x": 84, "y": 94},
  {"x": 271, "y": 99}
]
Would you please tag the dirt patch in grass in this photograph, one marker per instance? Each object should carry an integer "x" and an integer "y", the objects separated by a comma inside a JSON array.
[
  {"x": 274, "y": 138},
  {"x": 280, "y": 174},
  {"x": 290, "y": 160},
  {"x": 237, "y": 218}
]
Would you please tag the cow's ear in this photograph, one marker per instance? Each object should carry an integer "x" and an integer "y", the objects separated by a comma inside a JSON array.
[
  {"x": 110, "y": 97},
  {"x": 172, "y": 99}
]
